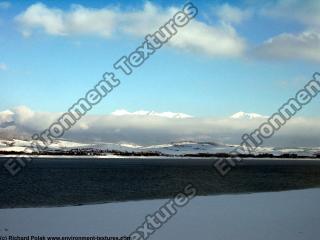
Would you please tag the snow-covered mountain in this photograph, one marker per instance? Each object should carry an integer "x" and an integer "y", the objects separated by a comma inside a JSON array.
[
  {"x": 176, "y": 148},
  {"x": 122, "y": 112},
  {"x": 244, "y": 115}
]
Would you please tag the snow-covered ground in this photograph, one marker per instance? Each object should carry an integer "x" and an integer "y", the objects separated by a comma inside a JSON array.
[
  {"x": 178, "y": 148},
  {"x": 292, "y": 215}
]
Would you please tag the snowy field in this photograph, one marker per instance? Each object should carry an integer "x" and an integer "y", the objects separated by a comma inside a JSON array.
[{"x": 290, "y": 215}]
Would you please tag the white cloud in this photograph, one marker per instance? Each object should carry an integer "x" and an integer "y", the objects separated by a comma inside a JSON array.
[
  {"x": 22, "y": 114},
  {"x": 215, "y": 41},
  {"x": 305, "y": 46},
  {"x": 6, "y": 116},
  {"x": 5, "y": 5},
  {"x": 3, "y": 66},
  {"x": 221, "y": 39},
  {"x": 146, "y": 129},
  {"x": 291, "y": 46},
  {"x": 78, "y": 20},
  {"x": 305, "y": 12},
  {"x": 231, "y": 14},
  {"x": 144, "y": 21}
]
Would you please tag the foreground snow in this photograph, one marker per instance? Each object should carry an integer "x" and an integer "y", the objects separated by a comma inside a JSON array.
[{"x": 293, "y": 215}]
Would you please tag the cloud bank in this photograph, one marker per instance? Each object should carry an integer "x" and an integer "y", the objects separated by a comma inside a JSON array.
[
  {"x": 288, "y": 46},
  {"x": 305, "y": 12},
  {"x": 147, "y": 129},
  {"x": 304, "y": 45},
  {"x": 217, "y": 40}
]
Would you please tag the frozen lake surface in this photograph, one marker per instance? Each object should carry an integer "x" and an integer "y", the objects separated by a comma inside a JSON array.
[{"x": 289, "y": 215}]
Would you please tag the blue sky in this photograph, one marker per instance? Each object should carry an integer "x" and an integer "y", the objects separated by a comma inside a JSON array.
[{"x": 48, "y": 71}]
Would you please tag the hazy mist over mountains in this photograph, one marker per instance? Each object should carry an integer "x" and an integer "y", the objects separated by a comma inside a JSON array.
[{"x": 149, "y": 128}]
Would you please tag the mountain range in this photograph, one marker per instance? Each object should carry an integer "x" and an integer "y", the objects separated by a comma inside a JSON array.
[{"x": 171, "y": 149}]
